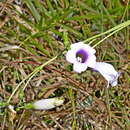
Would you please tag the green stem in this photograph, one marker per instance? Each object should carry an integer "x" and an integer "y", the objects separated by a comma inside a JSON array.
[
  {"x": 30, "y": 76},
  {"x": 113, "y": 30},
  {"x": 107, "y": 36}
]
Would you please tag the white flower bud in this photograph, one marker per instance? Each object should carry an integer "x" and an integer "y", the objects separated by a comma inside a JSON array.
[{"x": 46, "y": 104}]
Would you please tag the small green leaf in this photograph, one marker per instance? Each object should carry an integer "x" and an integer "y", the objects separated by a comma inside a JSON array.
[{"x": 65, "y": 38}]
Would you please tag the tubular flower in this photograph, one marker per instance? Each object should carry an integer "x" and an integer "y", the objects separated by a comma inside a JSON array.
[
  {"x": 46, "y": 104},
  {"x": 108, "y": 72},
  {"x": 81, "y": 56}
]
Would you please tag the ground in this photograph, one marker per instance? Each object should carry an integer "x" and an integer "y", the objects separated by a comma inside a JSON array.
[{"x": 34, "y": 38}]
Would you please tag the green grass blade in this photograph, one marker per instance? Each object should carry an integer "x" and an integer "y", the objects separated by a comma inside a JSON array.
[{"x": 33, "y": 10}]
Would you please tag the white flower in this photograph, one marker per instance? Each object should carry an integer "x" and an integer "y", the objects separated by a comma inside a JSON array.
[
  {"x": 82, "y": 56},
  {"x": 46, "y": 104},
  {"x": 108, "y": 72}
]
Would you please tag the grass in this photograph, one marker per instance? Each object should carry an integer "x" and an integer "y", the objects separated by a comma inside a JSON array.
[{"x": 43, "y": 32}]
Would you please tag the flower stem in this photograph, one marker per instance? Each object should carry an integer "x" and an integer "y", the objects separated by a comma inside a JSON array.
[
  {"x": 107, "y": 36},
  {"x": 111, "y": 31},
  {"x": 29, "y": 77},
  {"x": 108, "y": 105}
]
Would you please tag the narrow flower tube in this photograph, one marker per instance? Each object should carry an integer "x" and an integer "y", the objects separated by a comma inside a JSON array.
[
  {"x": 46, "y": 104},
  {"x": 108, "y": 72},
  {"x": 81, "y": 56}
]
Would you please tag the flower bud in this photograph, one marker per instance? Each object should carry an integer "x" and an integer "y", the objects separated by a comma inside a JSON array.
[{"x": 46, "y": 104}]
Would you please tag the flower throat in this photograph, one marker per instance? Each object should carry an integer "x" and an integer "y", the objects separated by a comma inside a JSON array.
[{"x": 82, "y": 56}]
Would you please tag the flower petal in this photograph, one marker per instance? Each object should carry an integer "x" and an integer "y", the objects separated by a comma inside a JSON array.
[
  {"x": 79, "y": 67},
  {"x": 79, "y": 45},
  {"x": 108, "y": 72},
  {"x": 89, "y": 49},
  {"x": 91, "y": 61},
  {"x": 71, "y": 56}
]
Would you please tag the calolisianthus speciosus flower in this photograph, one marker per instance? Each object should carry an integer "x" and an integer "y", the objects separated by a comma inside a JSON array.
[
  {"x": 108, "y": 72},
  {"x": 46, "y": 104},
  {"x": 82, "y": 56}
]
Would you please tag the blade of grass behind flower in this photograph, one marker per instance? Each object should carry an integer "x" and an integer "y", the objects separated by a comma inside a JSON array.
[
  {"x": 109, "y": 16},
  {"x": 50, "y": 5},
  {"x": 32, "y": 8},
  {"x": 73, "y": 31},
  {"x": 40, "y": 47}
]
